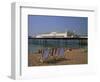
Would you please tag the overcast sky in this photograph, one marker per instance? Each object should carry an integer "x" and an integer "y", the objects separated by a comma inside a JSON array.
[{"x": 44, "y": 24}]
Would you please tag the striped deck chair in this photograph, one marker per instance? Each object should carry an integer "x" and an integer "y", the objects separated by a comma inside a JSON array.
[
  {"x": 45, "y": 54},
  {"x": 57, "y": 51},
  {"x": 52, "y": 52},
  {"x": 61, "y": 52}
]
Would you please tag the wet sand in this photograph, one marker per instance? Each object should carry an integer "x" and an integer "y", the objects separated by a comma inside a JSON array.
[{"x": 76, "y": 56}]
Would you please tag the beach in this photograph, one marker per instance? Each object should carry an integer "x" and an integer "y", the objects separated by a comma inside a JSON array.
[{"x": 71, "y": 57}]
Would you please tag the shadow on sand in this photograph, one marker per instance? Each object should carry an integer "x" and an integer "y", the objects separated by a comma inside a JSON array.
[{"x": 54, "y": 61}]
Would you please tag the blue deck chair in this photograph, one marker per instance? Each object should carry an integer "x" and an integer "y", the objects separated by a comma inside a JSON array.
[
  {"x": 45, "y": 53},
  {"x": 58, "y": 50},
  {"x": 61, "y": 52}
]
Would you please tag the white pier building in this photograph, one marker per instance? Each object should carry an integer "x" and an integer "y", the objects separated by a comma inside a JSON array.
[{"x": 53, "y": 35}]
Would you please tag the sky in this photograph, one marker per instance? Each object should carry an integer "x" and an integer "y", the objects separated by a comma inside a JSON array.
[{"x": 38, "y": 24}]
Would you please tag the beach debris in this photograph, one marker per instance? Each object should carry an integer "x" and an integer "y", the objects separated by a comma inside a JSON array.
[
  {"x": 41, "y": 60},
  {"x": 69, "y": 49}
]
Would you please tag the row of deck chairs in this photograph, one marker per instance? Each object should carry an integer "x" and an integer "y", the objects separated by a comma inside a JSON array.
[{"x": 46, "y": 52}]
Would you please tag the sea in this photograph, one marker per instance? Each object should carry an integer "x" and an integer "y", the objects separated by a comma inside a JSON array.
[{"x": 35, "y": 44}]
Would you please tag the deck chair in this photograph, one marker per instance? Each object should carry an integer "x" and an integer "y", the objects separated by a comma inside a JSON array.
[
  {"x": 61, "y": 52},
  {"x": 45, "y": 54}
]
